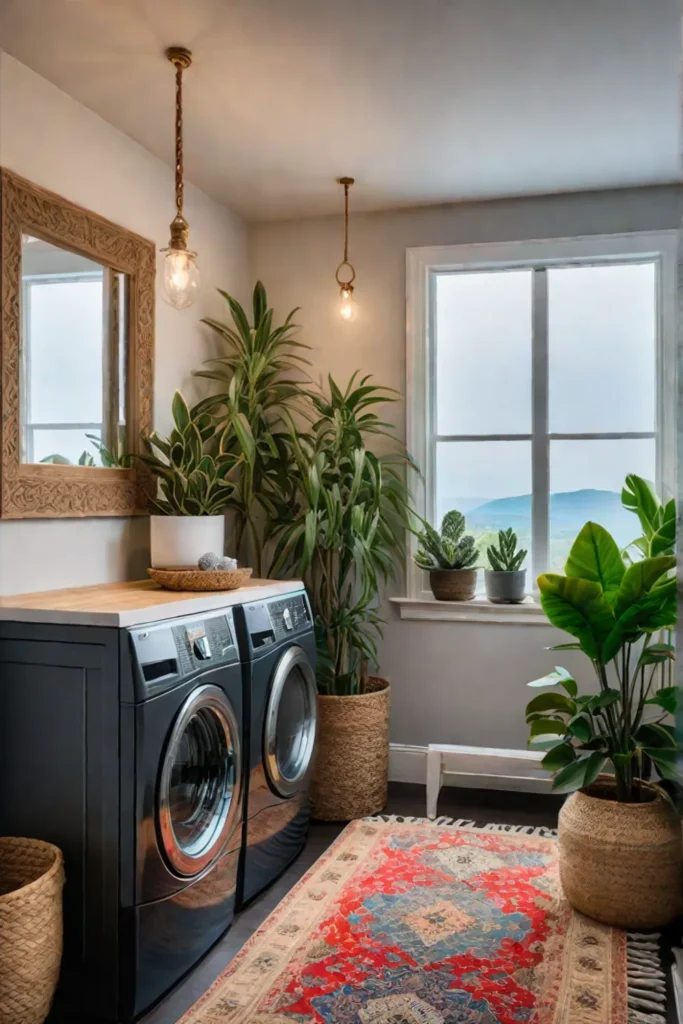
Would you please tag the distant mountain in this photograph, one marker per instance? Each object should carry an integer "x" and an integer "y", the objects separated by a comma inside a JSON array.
[{"x": 569, "y": 510}]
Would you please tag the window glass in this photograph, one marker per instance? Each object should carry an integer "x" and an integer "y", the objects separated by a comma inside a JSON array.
[
  {"x": 483, "y": 352},
  {"x": 602, "y": 348},
  {"x": 490, "y": 483}
]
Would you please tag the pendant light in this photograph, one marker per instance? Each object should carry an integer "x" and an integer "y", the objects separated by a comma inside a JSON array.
[
  {"x": 181, "y": 276},
  {"x": 346, "y": 274}
]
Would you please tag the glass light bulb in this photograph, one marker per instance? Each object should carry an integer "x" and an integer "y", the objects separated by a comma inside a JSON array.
[
  {"x": 348, "y": 307},
  {"x": 181, "y": 278}
]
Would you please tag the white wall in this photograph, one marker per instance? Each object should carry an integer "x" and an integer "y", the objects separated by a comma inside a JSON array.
[
  {"x": 452, "y": 682},
  {"x": 49, "y": 138}
]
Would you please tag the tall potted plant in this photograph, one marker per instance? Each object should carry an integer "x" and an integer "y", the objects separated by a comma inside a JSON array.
[
  {"x": 256, "y": 383},
  {"x": 341, "y": 526},
  {"x": 193, "y": 489},
  {"x": 619, "y": 837}
]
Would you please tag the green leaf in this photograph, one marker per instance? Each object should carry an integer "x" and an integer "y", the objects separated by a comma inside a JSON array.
[
  {"x": 595, "y": 556},
  {"x": 604, "y": 700},
  {"x": 579, "y": 773},
  {"x": 560, "y": 756},
  {"x": 547, "y": 727},
  {"x": 639, "y": 496},
  {"x": 181, "y": 413},
  {"x": 655, "y": 654},
  {"x": 653, "y": 735},
  {"x": 638, "y": 579},
  {"x": 670, "y": 698},
  {"x": 578, "y": 607},
  {"x": 551, "y": 702},
  {"x": 580, "y": 727},
  {"x": 564, "y": 647},
  {"x": 666, "y": 762}
]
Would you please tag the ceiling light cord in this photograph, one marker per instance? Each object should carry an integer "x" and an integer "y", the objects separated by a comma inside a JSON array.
[{"x": 179, "y": 138}]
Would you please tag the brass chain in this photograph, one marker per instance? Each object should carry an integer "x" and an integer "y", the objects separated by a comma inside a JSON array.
[
  {"x": 179, "y": 138},
  {"x": 346, "y": 223}
]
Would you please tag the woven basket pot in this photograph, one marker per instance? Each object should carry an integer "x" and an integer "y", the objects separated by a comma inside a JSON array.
[
  {"x": 352, "y": 756},
  {"x": 31, "y": 880},
  {"x": 621, "y": 864},
  {"x": 453, "y": 584}
]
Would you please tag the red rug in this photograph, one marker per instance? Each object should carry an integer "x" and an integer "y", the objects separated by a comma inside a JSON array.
[{"x": 410, "y": 922}]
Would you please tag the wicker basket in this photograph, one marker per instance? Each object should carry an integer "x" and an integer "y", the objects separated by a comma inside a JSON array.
[
  {"x": 31, "y": 880},
  {"x": 453, "y": 584},
  {"x": 352, "y": 760},
  {"x": 621, "y": 863}
]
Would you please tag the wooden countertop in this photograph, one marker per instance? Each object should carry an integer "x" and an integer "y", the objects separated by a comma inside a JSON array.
[{"x": 130, "y": 604}]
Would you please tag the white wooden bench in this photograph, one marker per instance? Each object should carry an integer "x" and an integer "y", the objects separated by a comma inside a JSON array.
[{"x": 483, "y": 768}]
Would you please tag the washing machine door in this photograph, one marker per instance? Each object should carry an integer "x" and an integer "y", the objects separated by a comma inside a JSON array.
[
  {"x": 198, "y": 804},
  {"x": 290, "y": 722}
]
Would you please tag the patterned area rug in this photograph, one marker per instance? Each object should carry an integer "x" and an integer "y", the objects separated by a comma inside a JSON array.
[{"x": 414, "y": 922}]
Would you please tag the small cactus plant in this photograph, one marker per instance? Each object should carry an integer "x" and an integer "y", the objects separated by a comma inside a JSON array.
[
  {"x": 506, "y": 557},
  {"x": 452, "y": 548}
]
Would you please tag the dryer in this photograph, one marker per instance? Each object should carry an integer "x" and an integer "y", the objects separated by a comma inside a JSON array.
[{"x": 280, "y": 700}]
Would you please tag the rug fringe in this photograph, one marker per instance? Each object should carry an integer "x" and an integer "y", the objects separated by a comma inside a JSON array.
[
  {"x": 646, "y": 979},
  {"x": 464, "y": 823}
]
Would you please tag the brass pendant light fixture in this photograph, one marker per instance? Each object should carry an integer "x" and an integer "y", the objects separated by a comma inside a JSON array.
[
  {"x": 181, "y": 276},
  {"x": 346, "y": 274}
]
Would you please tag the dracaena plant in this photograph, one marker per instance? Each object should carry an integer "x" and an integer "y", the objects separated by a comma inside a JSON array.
[
  {"x": 341, "y": 524},
  {"x": 255, "y": 377},
  {"x": 506, "y": 557},
  {"x": 452, "y": 548},
  {"x": 191, "y": 480},
  {"x": 615, "y": 613}
]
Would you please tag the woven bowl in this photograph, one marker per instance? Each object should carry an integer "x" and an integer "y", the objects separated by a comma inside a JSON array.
[{"x": 198, "y": 579}]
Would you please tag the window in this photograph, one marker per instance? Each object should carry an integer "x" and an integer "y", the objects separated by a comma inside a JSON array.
[{"x": 539, "y": 375}]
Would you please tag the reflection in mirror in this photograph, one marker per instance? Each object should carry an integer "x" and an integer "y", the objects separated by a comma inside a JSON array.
[{"x": 74, "y": 328}]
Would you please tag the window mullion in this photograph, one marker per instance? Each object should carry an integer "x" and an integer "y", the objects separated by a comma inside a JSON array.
[{"x": 540, "y": 444}]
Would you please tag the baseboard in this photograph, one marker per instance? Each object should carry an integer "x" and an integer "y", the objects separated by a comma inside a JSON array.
[{"x": 472, "y": 767}]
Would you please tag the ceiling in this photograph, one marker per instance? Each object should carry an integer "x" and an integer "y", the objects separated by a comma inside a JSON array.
[{"x": 423, "y": 101}]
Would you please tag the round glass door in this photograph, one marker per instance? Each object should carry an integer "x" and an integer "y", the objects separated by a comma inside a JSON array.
[
  {"x": 199, "y": 791},
  {"x": 290, "y": 722}
]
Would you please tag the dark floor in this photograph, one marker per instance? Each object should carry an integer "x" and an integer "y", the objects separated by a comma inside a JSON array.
[{"x": 481, "y": 806}]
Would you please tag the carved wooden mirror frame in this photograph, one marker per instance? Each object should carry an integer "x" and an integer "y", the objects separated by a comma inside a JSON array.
[{"x": 54, "y": 491}]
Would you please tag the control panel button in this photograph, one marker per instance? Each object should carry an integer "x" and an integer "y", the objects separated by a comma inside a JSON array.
[{"x": 287, "y": 619}]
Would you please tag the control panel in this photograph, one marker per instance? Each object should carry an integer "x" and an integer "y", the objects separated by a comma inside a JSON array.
[
  {"x": 270, "y": 622},
  {"x": 166, "y": 652}
]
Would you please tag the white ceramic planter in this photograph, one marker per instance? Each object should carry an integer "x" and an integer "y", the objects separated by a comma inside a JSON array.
[{"x": 179, "y": 541}]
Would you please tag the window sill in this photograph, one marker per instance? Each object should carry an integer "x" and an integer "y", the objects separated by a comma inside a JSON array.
[{"x": 528, "y": 613}]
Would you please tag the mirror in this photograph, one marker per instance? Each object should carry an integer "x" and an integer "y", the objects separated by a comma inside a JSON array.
[
  {"x": 74, "y": 335},
  {"x": 77, "y": 358}
]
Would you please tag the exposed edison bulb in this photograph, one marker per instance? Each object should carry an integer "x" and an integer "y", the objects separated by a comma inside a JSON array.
[
  {"x": 348, "y": 307},
  {"x": 181, "y": 278}
]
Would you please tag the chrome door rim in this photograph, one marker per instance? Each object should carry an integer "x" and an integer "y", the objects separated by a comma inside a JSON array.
[
  {"x": 294, "y": 657},
  {"x": 212, "y": 698}
]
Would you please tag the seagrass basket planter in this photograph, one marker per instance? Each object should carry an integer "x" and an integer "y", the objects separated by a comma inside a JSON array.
[
  {"x": 352, "y": 756},
  {"x": 31, "y": 881},
  {"x": 621, "y": 864}
]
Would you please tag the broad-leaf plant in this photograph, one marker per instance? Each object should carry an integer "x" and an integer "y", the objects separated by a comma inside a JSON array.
[{"x": 616, "y": 609}]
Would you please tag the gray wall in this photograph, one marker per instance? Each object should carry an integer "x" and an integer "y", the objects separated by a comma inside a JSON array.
[{"x": 452, "y": 682}]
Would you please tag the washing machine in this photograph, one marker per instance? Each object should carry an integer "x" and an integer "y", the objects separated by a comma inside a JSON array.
[
  {"x": 183, "y": 732},
  {"x": 124, "y": 747},
  {"x": 278, "y": 651}
]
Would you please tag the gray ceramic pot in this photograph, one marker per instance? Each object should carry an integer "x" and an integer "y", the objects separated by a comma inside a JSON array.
[{"x": 505, "y": 587}]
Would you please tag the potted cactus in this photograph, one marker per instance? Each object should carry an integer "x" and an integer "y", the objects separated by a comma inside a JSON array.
[
  {"x": 449, "y": 557},
  {"x": 505, "y": 580}
]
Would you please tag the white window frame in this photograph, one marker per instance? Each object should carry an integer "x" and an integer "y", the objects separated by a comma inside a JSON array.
[{"x": 422, "y": 265}]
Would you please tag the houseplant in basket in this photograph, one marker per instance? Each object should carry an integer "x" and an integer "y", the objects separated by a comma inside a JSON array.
[
  {"x": 449, "y": 557},
  {"x": 341, "y": 526},
  {"x": 619, "y": 836},
  {"x": 505, "y": 580},
  {"x": 194, "y": 486}
]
